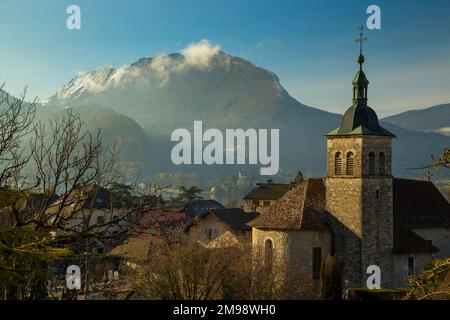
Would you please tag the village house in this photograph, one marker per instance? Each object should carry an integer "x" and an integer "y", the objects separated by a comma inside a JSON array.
[
  {"x": 264, "y": 195},
  {"x": 359, "y": 212},
  {"x": 223, "y": 226},
  {"x": 86, "y": 207},
  {"x": 158, "y": 222}
]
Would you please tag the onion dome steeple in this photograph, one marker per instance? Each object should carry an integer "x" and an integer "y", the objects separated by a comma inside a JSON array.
[
  {"x": 360, "y": 83},
  {"x": 360, "y": 118}
]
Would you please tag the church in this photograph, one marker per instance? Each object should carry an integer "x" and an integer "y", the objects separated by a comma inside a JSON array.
[{"x": 359, "y": 212}]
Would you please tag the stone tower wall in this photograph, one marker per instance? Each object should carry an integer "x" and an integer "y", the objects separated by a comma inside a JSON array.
[{"x": 361, "y": 205}]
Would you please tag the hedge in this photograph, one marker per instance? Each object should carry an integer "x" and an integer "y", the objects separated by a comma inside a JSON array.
[{"x": 376, "y": 294}]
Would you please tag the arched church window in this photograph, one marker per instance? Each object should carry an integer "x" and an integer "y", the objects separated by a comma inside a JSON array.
[
  {"x": 349, "y": 167},
  {"x": 338, "y": 164},
  {"x": 372, "y": 163},
  {"x": 268, "y": 254},
  {"x": 381, "y": 164}
]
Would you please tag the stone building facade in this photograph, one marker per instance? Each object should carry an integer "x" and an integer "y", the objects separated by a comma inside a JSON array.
[
  {"x": 359, "y": 194},
  {"x": 359, "y": 212}
]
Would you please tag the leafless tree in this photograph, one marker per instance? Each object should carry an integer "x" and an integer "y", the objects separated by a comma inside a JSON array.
[
  {"x": 16, "y": 122},
  {"x": 443, "y": 161},
  {"x": 186, "y": 269},
  {"x": 72, "y": 162},
  {"x": 66, "y": 160},
  {"x": 432, "y": 284}
]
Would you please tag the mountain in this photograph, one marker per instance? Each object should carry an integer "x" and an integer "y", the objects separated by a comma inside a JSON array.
[
  {"x": 167, "y": 92},
  {"x": 116, "y": 131},
  {"x": 220, "y": 90},
  {"x": 432, "y": 119}
]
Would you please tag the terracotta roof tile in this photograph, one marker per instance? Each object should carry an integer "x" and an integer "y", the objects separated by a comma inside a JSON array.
[{"x": 301, "y": 208}]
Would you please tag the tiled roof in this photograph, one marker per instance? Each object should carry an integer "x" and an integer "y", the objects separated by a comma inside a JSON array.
[
  {"x": 197, "y": 207},
  {"x": 268, "y": 191},
  {"x": 235, "y": 218},
  {"x": 301, "y": 208},
  {"x": 159, "y": 217},
  {"x": 406, "y": 241},
  {"x": 419, "y": 204}
]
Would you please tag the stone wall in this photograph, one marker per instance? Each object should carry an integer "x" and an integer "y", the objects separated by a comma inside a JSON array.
[
  {"x": 377, "y": 145},
  {"x": 400, "y": 268},
  {"x": 300, "y": 249},
  {"x": 361, "y": 205},
  {"x": 361, "y": 147},
  {"x": 292, "y": 250},
  {"x": 377, "y": 226},
  {"x": 262, "y": 206},
  {"x": 344, "y": 145},
  {"x": 344, "y": 201}
]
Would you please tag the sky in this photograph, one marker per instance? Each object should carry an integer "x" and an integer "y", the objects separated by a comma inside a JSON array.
[{"x": 309, "y": 44}]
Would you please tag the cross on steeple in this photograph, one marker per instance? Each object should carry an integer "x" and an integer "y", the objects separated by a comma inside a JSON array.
[{"x": 361, "y": 39}]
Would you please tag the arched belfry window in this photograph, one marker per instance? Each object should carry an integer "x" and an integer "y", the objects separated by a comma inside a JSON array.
[
  {"x": 268, "y": 254},
  {"x": 349, "y": 164},
  {"x": 381, "y": 164},
  {"x": 338, "y": 164},
  {"x": 372, "y": 163}
]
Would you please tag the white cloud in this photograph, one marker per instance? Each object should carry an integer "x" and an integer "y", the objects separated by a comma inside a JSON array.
[
  {"x": 196, "y": 55},
  {"x": 199, "y": 54},
  {"x": 162, "y": 65}
]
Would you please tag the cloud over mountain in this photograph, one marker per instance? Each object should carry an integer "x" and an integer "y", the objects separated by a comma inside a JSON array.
[
  {"x": 200, "y": 82},
  {"x": 197, "y": 55}
]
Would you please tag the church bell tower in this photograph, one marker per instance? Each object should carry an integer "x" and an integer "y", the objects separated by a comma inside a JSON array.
[{"x": 359, "y": 187}]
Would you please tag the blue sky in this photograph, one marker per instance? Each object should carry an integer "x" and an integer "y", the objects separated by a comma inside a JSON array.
[{"x": 308, "y": 44}]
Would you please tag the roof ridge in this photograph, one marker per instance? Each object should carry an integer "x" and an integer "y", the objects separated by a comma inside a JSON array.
[{"x": 302, "y": 211}]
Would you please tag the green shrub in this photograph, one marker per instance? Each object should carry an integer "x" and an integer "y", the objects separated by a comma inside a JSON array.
[
  {"x": 376, "y": 294},
  {"x": 331, "y": 279}
]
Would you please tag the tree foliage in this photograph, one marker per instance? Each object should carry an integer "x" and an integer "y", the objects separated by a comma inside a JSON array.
[
  {"x": 331, "y": 279},
  {"x": 24, "y": 253},
  {"x": 191, "y": 193},
  {"x": 433, "y": 283}
]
